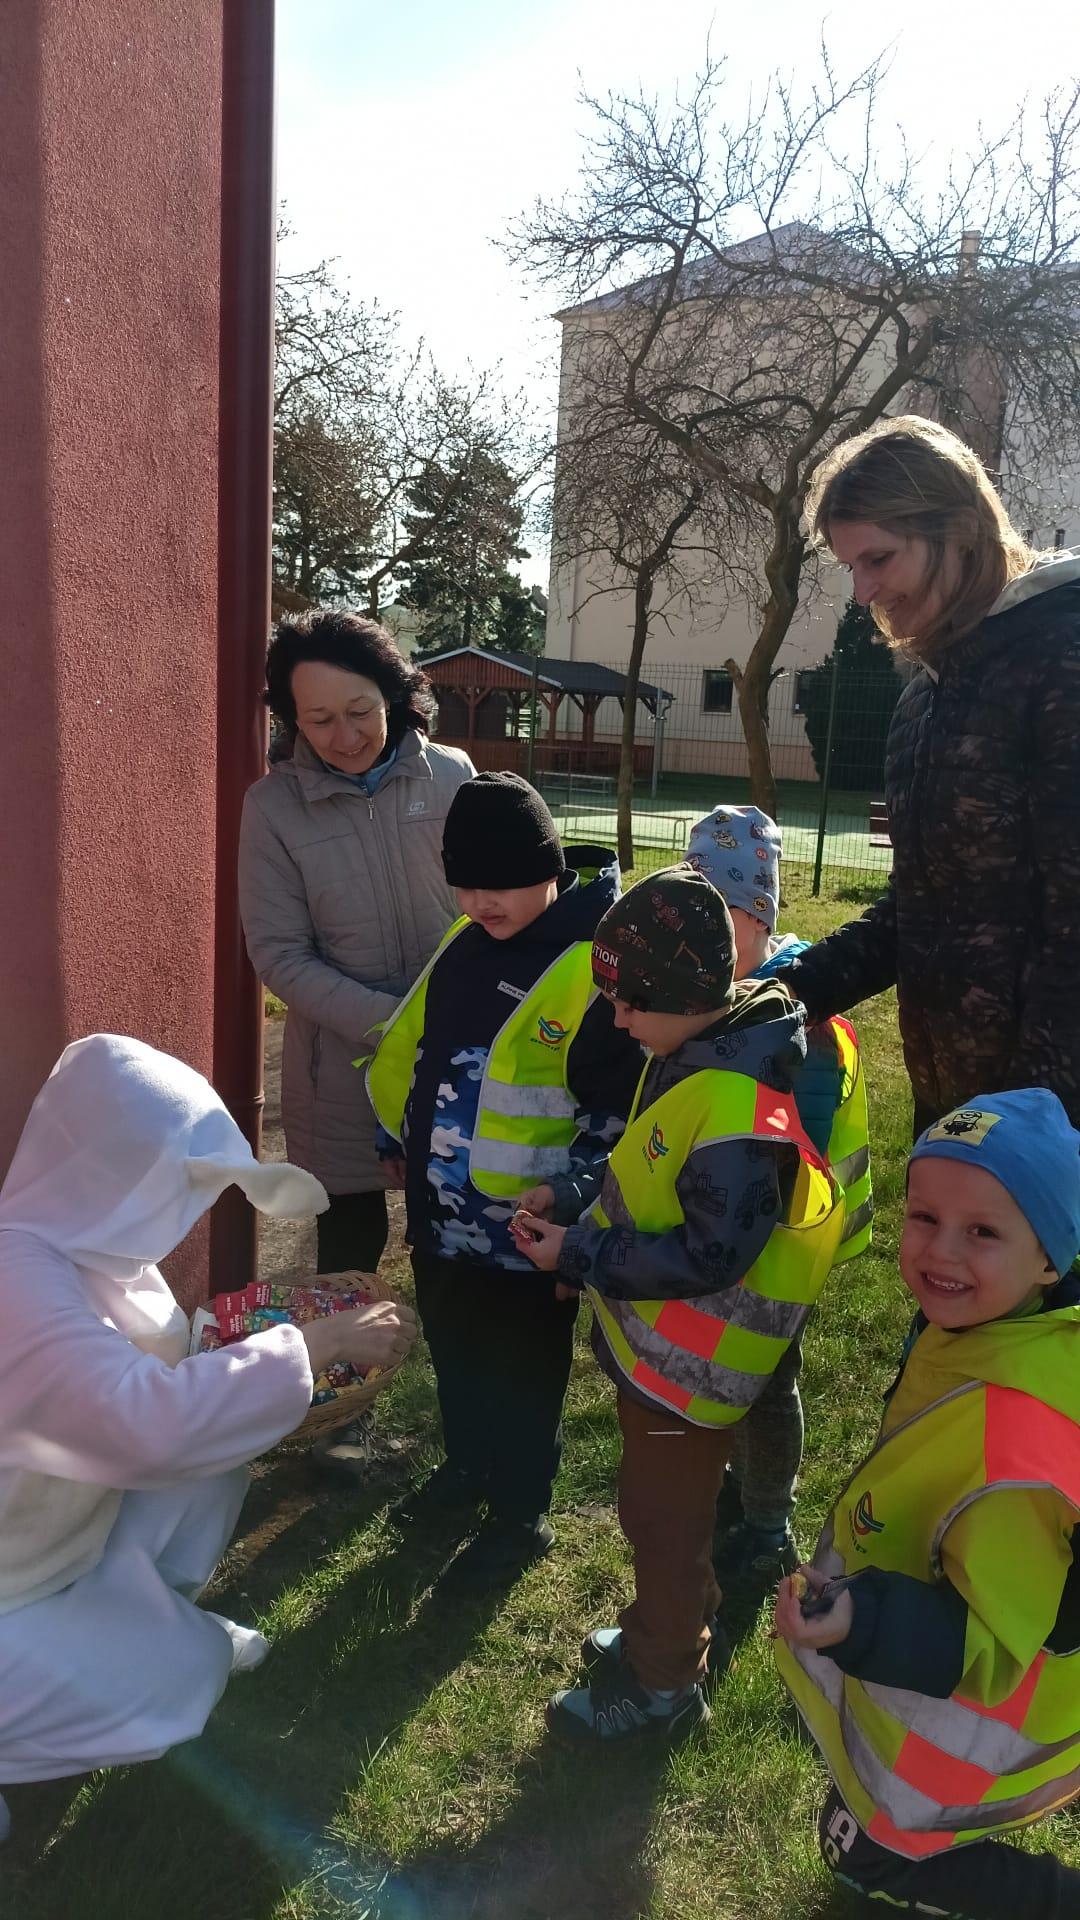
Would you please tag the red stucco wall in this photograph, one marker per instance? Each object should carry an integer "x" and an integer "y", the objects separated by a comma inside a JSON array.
[{"x": 109, "y": 228}]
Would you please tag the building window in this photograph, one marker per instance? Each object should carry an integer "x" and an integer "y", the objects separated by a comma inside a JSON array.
[
  {"x": 802, "y": 677},
  {"x": 716, "y": 692}
]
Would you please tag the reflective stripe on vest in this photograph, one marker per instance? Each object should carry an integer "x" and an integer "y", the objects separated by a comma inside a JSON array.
[
  {"x": 849, "y": 1143},
  {"x": 525, "y": 1121},
  {"x": 709, "y": 1358},
  {"x": 923, "y": 1774}
]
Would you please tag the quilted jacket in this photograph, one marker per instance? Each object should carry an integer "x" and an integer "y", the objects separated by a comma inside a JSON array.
[
  {"x": 343, "y": 901},
  {"x": 980, "y": 927}
]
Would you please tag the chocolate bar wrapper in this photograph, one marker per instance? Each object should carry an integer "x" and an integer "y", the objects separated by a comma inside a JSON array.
[{"x": 202, "y": 1318}]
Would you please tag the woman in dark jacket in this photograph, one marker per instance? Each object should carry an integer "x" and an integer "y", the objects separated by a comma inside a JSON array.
[{"x": 980, "y": 927}]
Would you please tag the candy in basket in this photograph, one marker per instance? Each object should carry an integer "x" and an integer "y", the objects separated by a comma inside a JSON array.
[{"x": 342, "y": 1391}]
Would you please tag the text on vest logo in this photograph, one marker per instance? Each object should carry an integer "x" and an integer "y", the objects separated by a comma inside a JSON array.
[
  {"x": 516, "y": 993},
  {"x": 654, "y": 1149},
  {"x": 551, "y": 1033}
]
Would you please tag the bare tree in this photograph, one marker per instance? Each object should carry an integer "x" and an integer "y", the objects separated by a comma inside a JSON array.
[
  {"x": 359, "y": 420},
  {"x": 859, "y": 292},
  {"x": 625, "y": 520}
]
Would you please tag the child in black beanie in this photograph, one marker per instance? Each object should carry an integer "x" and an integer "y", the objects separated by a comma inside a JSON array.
[{"x": 500, "y": 1071}]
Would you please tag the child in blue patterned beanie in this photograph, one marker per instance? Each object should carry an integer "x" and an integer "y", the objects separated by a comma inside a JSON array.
[{"x": 738, "y": 849}]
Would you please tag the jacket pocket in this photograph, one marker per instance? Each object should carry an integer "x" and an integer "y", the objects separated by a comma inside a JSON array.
[{"x": 316, "y": 1055}]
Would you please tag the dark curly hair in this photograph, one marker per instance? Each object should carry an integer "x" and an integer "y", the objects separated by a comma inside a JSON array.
[{"x": 356, "y": 645}]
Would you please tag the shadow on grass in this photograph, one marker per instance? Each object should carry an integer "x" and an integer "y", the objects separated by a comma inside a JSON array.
[{"x": 574, "y": 1842}]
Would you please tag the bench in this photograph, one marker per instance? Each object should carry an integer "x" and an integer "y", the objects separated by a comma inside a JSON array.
[{"x": 879, "y": 824}]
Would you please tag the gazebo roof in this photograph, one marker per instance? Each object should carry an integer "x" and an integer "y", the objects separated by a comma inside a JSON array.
[{"x": 571, "y": 676}]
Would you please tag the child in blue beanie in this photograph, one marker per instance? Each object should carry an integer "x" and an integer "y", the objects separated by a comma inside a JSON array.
[
  {"x": 739, "y": 849},
  {"x": 933, "y": 1649}
]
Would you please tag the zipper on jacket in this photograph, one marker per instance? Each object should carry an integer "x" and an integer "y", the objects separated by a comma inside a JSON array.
[{"x": 390, "y": 887}]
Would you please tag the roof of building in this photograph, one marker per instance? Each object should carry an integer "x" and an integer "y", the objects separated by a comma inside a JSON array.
[
  {"x": 573, "y": 676},
  {"x": 792, "y": 248}
]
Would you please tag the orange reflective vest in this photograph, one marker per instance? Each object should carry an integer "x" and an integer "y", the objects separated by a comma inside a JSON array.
[
  {"x": 710, "y": 1357},
  {"x": 922, "y": 1774}
]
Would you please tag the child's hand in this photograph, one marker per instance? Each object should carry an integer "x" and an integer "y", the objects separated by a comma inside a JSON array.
[
  {"x": 822, "y": 1630},
  {"x": 395, "y": 1173},
  {"x": 538, "y": 1200},
  {"x": 537, "y": 1240}
]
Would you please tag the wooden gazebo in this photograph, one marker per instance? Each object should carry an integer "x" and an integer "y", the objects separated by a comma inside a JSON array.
[{"x": 484, "y": 699}]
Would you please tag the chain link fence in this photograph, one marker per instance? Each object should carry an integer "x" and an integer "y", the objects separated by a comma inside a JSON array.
[{"x": 827, "y": 729}]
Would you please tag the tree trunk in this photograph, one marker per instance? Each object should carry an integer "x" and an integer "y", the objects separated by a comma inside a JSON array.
[
  {"x": 783, "y": 568},
  {"x": 643, "y": 591},
  {"x": 753, "y": 692}
]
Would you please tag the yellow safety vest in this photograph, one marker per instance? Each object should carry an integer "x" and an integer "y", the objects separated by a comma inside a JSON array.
[
  {"x": 920, "y": 1774},
  {"x": 525, "y": 1119},
  {"x": 710, "y": 1357},
  {"x": 849, "y": 1143}
]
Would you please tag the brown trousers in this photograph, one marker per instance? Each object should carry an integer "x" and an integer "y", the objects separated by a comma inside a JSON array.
[{"x": 668, "y": 1482}]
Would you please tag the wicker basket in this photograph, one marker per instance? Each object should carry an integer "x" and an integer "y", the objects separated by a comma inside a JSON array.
[{"x": 351, "y": 1400}]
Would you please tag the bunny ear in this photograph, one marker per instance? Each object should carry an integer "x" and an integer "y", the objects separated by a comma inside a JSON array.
[{"x": 273, "y": 1186}]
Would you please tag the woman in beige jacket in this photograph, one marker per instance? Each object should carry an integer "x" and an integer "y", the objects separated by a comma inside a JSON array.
[{"x": 342, "y": 891}]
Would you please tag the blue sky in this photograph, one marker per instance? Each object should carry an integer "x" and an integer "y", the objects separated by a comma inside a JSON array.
[{"x": 411, "y": 134}]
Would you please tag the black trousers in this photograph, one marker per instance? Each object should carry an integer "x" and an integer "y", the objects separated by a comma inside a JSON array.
[
  {"x": 353, "y": 1232},
  {"x": 987, "y": 1881},
  {"x": 501, "y": 1346}
]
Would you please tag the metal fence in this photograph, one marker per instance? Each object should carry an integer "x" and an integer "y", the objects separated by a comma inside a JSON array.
[{"x": 827, "y": 729}]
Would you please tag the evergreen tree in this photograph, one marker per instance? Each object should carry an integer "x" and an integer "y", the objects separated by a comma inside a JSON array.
[
  {"x": 461, "y": 581},
  {"x": 867, "y": 689}
]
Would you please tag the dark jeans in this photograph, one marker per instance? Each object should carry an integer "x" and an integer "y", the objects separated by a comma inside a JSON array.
[
  {"x": 353, "y": 1232},
  {"x": 987, "y": 1881},
  {"x": 501, "y": 1346}
]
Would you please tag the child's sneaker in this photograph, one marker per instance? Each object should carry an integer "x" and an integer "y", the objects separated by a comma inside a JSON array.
[
  {"x": 617, "y": 1707},
  {"x": 757, "y": 1555},
  {"x": 603, "y": 1649}
]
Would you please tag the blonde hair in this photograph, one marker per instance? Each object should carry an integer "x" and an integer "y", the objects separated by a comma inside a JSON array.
[{"x": 916, "y": 479}]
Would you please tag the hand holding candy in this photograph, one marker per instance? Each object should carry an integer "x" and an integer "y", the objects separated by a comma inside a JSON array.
[
  {"x": 537, "y": 1240},
  {"x": 798, "y": 1622}
]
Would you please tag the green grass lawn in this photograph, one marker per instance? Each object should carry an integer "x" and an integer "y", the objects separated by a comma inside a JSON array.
[{"x": 391, "y": 1761}]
